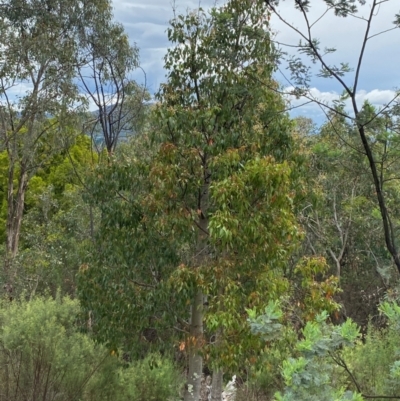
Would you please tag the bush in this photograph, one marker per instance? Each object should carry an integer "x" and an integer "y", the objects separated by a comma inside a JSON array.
[
  {"x": 43, "y": 357},
  {"x": 330, "y": 362},
  {"x": 154, "y": 378},
  {"x": 373, "y": 361}
]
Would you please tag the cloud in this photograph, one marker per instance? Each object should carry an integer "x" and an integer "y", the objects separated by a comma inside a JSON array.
[
  {"x": 379, "y": 67},
  {"x": 19, "y": 90},
  {"x": 376, "y": 97},
  {"x": 304, "y": 107},
  {"x": 146, "y": 23}
]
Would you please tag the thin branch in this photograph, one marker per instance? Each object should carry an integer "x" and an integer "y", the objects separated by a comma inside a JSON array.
[
  {"x": 322, "y": 16},
  {"x": 364, "y": 44},
  {"x": 141, "y": 284},
  {"x": 380, "y": 33},
  {"x": 338, "y": 360},
  {"x": 341, "y": 362}
]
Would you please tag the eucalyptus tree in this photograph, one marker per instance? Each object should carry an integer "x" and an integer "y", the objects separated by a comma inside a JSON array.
[
  {"x": 341, "y": 192},
  {"x": 106, "y": 79},
  {"x": 200, "y": 228},
  {"x": 340, "y": 217},
  {"x": 312, "y": 54},
  {"x": 42, "y": 45}
]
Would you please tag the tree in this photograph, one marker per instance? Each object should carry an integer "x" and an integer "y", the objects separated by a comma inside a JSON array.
[
  {"x": 209, "y": 215},
  {"x": 57, "y": 223},
  {"x": 106, "y": 79},
  {"x": 341, "y": 218},
  {"x": 42, "y": 47},
  {"x": 309, "y": 47}
]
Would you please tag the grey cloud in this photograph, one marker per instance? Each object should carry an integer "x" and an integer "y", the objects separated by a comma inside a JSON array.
[
  {"x": 148, "y": 35},
  {"x": 380, "y": 65},
  {"x": 150, "y": 13},
  {"x": 146, "y": 23},
  {"x": 302, "y": 107}
]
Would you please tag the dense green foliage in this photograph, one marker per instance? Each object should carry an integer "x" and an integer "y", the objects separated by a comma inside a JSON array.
[
  {"x": 196, "y": 215},
  {"x": 154, "y": 378},
  {"x": 44, "y": 355},
  {"x": 219, "y": 238},
  {"x": 57, "y": 222}
]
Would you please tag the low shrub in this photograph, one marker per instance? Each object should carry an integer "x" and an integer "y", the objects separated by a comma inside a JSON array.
[
  {"x": 44, "y": 357},
  {"x": 155, "y": 378}
]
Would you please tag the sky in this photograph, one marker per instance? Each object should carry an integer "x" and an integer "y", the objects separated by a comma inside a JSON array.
[{"x": 146, "y": 21}]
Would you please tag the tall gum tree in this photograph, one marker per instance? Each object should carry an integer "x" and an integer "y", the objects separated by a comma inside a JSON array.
[
  {"x": 207, "y": 218},
  {"x": 43, "y": 43},
  {"x": 314, "y": 60}
]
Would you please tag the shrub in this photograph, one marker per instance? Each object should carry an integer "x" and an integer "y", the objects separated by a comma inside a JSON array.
[
  {"x": 42, "y": 355},
  {"x": 330, "y": 362},
  {"x": 374, "y": 361},
  {"x": 154, "y": 378}
]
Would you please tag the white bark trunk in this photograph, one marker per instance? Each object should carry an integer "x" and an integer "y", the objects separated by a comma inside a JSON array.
[
  {"x": 216, "y": 389},
  {"x": 193, "y": 386}
]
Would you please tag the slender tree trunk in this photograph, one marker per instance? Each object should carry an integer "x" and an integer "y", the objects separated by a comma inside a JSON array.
[
  {"x": 217, "y": 376},
  {"x": 390, "y": 237},
  {"x": 10, "y": 208},
  {"x": 14, "y": 218},
  {"x": 15, "y": 211},
  {"x": 216, "y": 388},
  {"x": 338, "y": 263},
  {"x": 193, "y": 387}
]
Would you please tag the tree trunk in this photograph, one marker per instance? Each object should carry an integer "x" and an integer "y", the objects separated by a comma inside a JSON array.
[
  {"x": 193, "y": 386},
  {"x": 217, "y": 376},
  {"x": 15, "y": 211},
  {"x": 390, "y": 236},
  {"x": 216, "y": 388}
]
